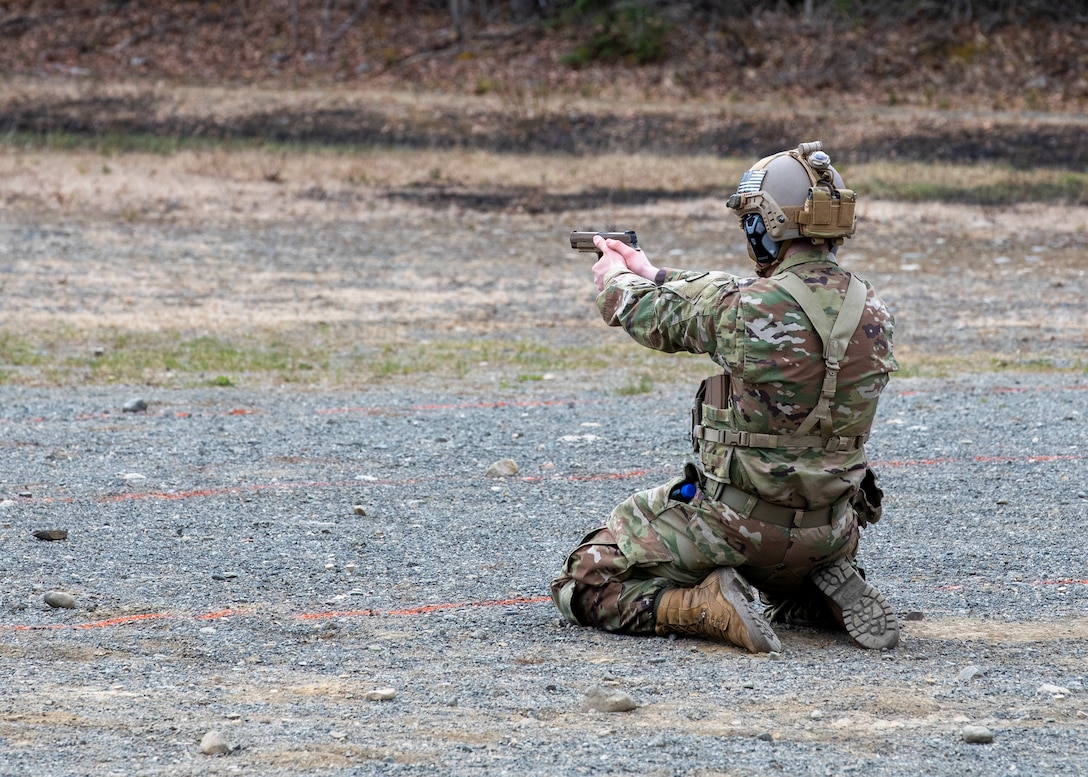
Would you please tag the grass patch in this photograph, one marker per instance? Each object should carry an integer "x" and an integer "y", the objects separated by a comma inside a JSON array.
[
  {"x": 968, "y": 184},
  {"x": 130, "y": 357},
  {"x": 64, "y": 357},
  {"x": 333, "y": 358},
  {"x": 326, "y": 356},
  {"x": 922, "y": 365},
  {"x": 642, "y": 384},
  {"x": 18, "y": 351}
]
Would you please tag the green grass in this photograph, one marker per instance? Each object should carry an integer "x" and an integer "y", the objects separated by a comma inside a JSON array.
[
  {"x": 19, "y": 351},
  {"x": 642, "y": 384},
  {"x": 1071, "y": 188},
  {"x": 922, "y": 365},
  {"x": 983, "y": 184},
  {"x": 65, "y": 357}
]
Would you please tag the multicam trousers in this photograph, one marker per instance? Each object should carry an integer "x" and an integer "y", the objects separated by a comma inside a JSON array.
[{"x": 651, "y": 542}]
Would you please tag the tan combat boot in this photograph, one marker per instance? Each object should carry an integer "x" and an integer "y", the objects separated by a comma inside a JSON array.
[
  {"x": 863, "y": 610},
  {"x": 719, "y": 608}
]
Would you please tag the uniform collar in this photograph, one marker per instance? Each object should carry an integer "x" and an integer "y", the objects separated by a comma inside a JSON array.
[{"x": 804, "y": 257}]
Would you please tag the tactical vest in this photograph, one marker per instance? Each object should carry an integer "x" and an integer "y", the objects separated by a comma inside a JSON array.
[{"x": 711, "y": 418}]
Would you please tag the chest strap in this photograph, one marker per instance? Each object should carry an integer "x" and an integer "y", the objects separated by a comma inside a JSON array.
[{"x": 835, "y": 336}]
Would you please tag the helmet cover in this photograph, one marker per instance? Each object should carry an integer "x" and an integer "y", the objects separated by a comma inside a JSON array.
[{"x": 795, "y": 194}]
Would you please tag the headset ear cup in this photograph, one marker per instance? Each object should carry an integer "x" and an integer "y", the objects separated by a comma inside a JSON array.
[{"x": 760, "y": 246}]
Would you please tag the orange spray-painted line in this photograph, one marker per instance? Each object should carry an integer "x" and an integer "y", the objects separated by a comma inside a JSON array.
[
  {"x": 122, "y": 620},
  {"x": 978, "y": 460},
  {"x": 411, "y": 611},
  {"x": 423, "y": 609},
  {"x": 456, "y": 406},
  {"x": 126, "y": 620}
]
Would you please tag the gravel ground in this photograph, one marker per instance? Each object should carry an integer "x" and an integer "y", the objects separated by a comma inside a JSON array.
[{"x": 257, "y": 562}]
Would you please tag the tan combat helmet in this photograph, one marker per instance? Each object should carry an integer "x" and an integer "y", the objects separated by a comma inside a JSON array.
[{"x": 790, "y": 195}]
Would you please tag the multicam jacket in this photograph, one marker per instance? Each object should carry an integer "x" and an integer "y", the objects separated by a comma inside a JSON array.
[{"x": 759, "y": 334}]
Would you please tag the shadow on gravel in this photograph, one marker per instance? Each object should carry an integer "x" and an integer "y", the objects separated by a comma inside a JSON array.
[{"x": 928, "y": 140}]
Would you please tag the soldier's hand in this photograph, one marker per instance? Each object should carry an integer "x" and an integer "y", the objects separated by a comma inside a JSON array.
[
  {"x": 616, "y": 254},
  {"x": 611, "y": 259}
]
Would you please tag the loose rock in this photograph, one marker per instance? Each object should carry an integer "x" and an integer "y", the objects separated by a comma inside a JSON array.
[
  {"x": 977, "y": 735},
  {"x": 381, "y": 694},
  {"x": 213, "y": 743},
  {"x": 60, "y": 600},
  {"x": 50, "y": 535},
  {"x": 502, "y": 468},
  {"x": 601, "y": 700},
  {"x": 1053, "y": 690},
  {"x": 137, "y": 405},
  {"x": 969, "y": 673}
]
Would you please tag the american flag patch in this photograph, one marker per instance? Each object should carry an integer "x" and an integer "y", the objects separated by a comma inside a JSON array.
[{"x": 751, "y": 181}]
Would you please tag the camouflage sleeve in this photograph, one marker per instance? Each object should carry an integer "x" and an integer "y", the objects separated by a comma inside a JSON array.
[{"x": 689, "y": 312}]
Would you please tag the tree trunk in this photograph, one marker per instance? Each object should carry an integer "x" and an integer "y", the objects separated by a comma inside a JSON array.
[{"x": 455, "y": 17}]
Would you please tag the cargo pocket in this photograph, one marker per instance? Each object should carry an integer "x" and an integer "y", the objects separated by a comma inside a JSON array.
[{"x": 632, "y": 524}]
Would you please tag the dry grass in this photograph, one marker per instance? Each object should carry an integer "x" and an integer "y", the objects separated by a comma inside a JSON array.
[{"x": 88, "y": 181}]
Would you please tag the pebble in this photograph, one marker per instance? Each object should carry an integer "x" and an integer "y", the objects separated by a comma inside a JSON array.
[
  {"x": 381, "y": 694},
  {"x": 969, "y": 673},
  {"x": 60, "y": 600},
  {"x": 1053, "y": 690},
  {"x": 502, "y": 468},
  {"x": 977, "y": 735},
  {"x": 137, "y": 405},
  {"x": 359, "y": 510},
  {"x": 50, "y": 534},
  {"x": 601, "y": 700},
  {"x": 213, "y": 743}
]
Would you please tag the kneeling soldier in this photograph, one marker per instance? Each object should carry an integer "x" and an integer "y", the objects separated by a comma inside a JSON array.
[{"x": 780, "y": 484}]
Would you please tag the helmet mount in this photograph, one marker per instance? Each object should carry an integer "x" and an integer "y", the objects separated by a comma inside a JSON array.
[{"x": 793, "y": 194}]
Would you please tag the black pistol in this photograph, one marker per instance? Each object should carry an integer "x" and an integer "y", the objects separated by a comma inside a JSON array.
[{"x": 583, "y": 241}]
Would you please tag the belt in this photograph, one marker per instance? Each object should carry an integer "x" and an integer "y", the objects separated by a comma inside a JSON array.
[
  {"x": 751, "y": 506},
  {"x": 760, "y": 440}
]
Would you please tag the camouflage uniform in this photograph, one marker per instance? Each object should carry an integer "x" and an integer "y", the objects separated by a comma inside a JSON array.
[{"x": 759, "y": 334}]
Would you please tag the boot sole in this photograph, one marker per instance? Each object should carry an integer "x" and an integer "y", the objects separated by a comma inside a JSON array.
[
  {"x": 866, "y": 614},
  {"x": 760, "y": 634}
]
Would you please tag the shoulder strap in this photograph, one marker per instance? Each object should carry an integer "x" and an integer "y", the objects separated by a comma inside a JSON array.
[{"x": 835, "y": 336}]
